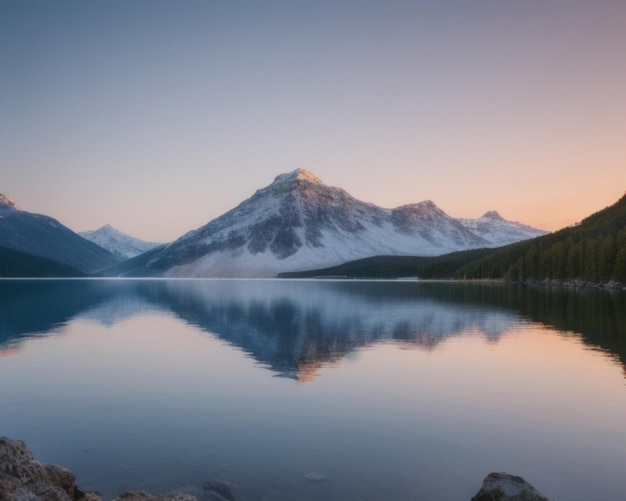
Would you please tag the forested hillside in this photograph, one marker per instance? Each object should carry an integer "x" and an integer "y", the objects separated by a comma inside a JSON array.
[
  {"x": 593, "y": 250},
  {"x": 20, "y": 264},
  {"x": 396, "y": 266}
]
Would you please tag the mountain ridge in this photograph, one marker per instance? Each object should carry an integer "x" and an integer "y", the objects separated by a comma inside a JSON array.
[
  {"x": 295, "y": 223},
  {"x": 45, "y": 237},
  {"x": 298, "y": 222},
  {"x": 117, "y": 242}
]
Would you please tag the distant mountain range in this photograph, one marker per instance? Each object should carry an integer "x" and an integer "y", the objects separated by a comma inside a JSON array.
[
  {"x": 295, "y": 223},
  {"x": 297, "y": 226},
  {"x": 44, "y": 237},
  {"x": 590, "y": 252},
  {"x": 299, "y": 223},
  {"x": 118, "y": 243}
]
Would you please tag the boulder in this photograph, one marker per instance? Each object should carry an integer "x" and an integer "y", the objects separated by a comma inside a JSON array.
[
  {"x": 22, "y": 478},
  {"x": 220, "y": 490},
  {"x": 505, "y": 487}
]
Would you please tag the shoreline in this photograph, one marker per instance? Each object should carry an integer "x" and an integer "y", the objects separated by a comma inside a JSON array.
[{"x": 23, "y": 478}]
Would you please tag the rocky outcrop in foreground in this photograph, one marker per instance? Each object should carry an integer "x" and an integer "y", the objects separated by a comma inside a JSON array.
[
  {"x": 505, "y": 487},
  {"x": 23, "y": 478}
]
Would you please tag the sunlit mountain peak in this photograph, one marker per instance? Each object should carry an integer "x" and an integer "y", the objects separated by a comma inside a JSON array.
[
  {"x": 297, "y": 175},
  {"x": 7, "y": 203}
]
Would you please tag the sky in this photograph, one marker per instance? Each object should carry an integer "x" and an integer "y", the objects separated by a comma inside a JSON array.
[{"x": 157, "y": 116}]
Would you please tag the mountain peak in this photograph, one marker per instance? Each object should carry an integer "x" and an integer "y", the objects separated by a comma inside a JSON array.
[
  {"x": 425, "y": 208},
  {"x": 427, "y": 204},
  {"x": 297, "y": 175},
  {"x": 107, "y": 229},
  {"x": 7, "y": 203},
  {"x": 117, "y": 242},
  {"x": 492, "y": 214}
]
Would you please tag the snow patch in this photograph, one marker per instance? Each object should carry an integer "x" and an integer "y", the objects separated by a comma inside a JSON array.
[{"x": 297, "y": 175}]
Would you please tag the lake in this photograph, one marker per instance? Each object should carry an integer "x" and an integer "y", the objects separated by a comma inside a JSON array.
[{"x": 310, "y": 390}]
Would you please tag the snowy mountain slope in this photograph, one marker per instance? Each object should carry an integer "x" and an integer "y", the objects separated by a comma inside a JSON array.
[
  {"x": 299, "y": 223},
  {"x": 117, "y": 242},
  {"x": 44, "y": 236},
  {"x": 498, "y": 231}
]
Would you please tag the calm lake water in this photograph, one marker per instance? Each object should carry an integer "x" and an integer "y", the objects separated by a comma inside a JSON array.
[{"x": 311, "y": 390}]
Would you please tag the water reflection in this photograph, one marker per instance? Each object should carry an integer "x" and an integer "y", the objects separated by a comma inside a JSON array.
[
  {"x": 294, "y": 327},
  {"x": 142, "y": 385}
]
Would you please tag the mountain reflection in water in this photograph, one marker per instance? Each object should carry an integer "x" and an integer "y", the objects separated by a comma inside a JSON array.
[{"x": 295, "y": 327}]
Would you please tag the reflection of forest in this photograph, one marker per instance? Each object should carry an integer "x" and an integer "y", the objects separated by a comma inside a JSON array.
[
  {"x": 295, "y": 327},
  {"x": 598, "y": 314}
]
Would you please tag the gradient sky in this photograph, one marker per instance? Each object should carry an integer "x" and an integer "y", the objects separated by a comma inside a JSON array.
[{"x": 157, "y": 116}]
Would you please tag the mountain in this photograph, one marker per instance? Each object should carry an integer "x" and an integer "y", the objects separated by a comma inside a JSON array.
[
  {"x": 44, "y": 236},
  {"x": 133, "y": 267},
  {"x": 498, "y": 231},
  {"x": 299, "y": 223},
  {"x": 14, "y": 263},
  {"x": 117, "y": 242}
]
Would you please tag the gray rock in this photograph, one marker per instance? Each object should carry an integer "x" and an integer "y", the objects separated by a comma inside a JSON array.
[
  {"x": 505, "y": 487},
  {"x": 176, "y": 496},
  {"x": 22, "y": 478},
  {"x": 219, "y": 490},
  {"x": 135, "y": 496}
]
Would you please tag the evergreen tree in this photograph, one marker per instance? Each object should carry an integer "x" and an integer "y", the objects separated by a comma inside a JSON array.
[
  {"x": 530, "y": 263},
  {"x": 590, "y": 260},
  {"x": 573, "y": 268},
  {"x": 619, "y": 269},
  {"x": 606, "y": 258}
]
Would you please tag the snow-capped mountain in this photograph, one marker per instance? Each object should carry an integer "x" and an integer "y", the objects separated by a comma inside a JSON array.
[
  {"x": 44, "y": 236},
  {"x": 117, "y": 242},
  {"x": 498, "y": 231},
  {"x": 299, "y": 223}
]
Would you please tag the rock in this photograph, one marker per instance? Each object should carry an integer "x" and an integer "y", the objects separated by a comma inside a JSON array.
[
  {"x": 22, "y": 478},
  {"x": 135, "y": 496},
  {"x": 219, "y": 490},
  {"x": 505, "y": 487}
]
